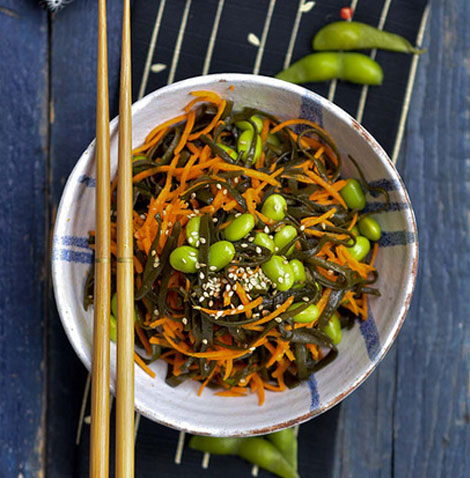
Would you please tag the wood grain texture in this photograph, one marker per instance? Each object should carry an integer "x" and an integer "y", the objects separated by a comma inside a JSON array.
[
  {"x": 23, "y": 136},
  {"x": 73, "y": 95},
  {"x": 412, "y": 417}
]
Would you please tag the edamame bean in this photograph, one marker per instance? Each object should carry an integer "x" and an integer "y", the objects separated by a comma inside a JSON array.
[
  {"x": 353, "y": 67},
  {"x": 262, "y": 239},
  {"x": 112, "y": 328},
  {"x": 333, "y": 329},
  {"x": 286, "y": 442},
  {"x": 114, "y": 311},
  {"x": 192, "y": 231},
  {"x": 215, "y": 445},
  {"x": 244, "y": 125},
  {"x": 356, "y": 233},
  {"x": 370, "y": 228},
  {"x": 310, "y": 314},
  {"x": 275, "y": 207},
  {"x": 239, "y": 227},
  {"x": 184, "y": 259},
  {"x": 231, "y": 152},
  {"x": 261, "y": 452},
  {"x": 359, "y": 36},
  {"x": 244, "y": 144},
  {"x": 299, "y": 270},
  {"x": 360, "y": 250},
  {"x": 280, "y": 272},
  {"x": 221, "y": 254},
  {"x": 353, "y": 195},
  {"x": 283, "y": 237}
]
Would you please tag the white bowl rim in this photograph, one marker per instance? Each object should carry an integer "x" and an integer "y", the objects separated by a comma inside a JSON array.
[{"x": 204, "y": 82}]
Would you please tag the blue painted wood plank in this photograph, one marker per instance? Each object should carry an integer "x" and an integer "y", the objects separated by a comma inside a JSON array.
[
  {"x": 411, "y": 418},
  {"x": 73, "y": 91},
  {"x": 23, "y": 136}
]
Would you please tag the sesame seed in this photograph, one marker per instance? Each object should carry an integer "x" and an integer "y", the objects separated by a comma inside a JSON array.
[
  {"x": 204, "y": 341},
  {"x": 252, "y": 349},
  {"x": 278, "y": 305},
  {"x": 202, "y": 299},
  {"x": 302, "y": 228},
  {"x": 224, "y": 192},
  {"x": 278, "y": 320},
  {"x": 155, "y": 264},
  {"x": 238, "y": 214},
  {"x": 230, "y": 293},
  {"x": 194, "y": 233},
  {"x": 266, "y": 229},
  {"x": 219, "y": 186},
  {"x": 240, "y": 307},
  {"x": 251, "y": 239},
  {"x": 142, "y": 216},
  {"x": 201, "y": 275},
  {"x": 193, "y": 196},
  {"x": 90, "y": 297},
  {"x": 281, "y": 280},
  {"x": 286, "y": 262},
  {"x": 305, "y": 299},
  {"x": 214, "y": 219},
  {"x": 228, "y": 287},
  {"x": 206, "y": 295},
  {"x": 184, "y": 261},
  {"x": 202, "y": 264},
  {"x": 154, "y": 253},
  {"x": 244, "y": 245},
  {"x": 211, "y": 303},
  {"x": 242, "y": 380},
  {"x": 196, "y": 211},
  {"x": 203, "y": 240},
  {"x": 184, "y": 320},
  {"x": 212, "y": 268},
  {"x": 197, "y": 265},
  {"x": 258, "y": 250}
]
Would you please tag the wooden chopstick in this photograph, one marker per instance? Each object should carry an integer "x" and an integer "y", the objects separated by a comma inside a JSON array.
[
  {"x": 125, "y": 269},
  {"x": 99, "y": 444}
]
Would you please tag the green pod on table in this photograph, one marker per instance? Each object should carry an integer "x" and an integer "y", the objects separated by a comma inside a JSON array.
[
  {"x": 192, "y": 231},
  {"x": 370, "y": 228},
  {"x": 184, "y": 259},
  {"x": 263, "y": 239},
  {"x": 333, "y": 329},
  {"x": 278, "y": 270},
  {"x": 353, "y": 195},
  {"x": 215, "y": 445},
  {"x": 360, "y": 250},
  {"x": 286, "y": 442},
  {"x": 221, "y": 254},
  {"x": 353, "y": 67},
  {"x": 359, "y": 36},
  {"x": 239, "y": 227},
  {"x": 275, "y": 207},
  {"x": 261, "y": 452},
  {"x": 283, "y": 237}
]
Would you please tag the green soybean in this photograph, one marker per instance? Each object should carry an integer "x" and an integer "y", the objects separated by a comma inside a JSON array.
[
  {"x": 286, "y": 442},
  {"x": 360, "y": 250},
  {"x": 261, "y": 452},
  {"x": 221, "y": 254},
  {"x": 283, "y": 237},
  {"x": 239, "y": 227},
  {"x": 280, "y": 272},
  {"x": 244, "y": 125},
  {"x": 333, "y": 329},
  {"x": 112, "y": 328},
  {"x": 184, "y": 259},
  {"x": 275, "y": 207},
  {"x": 244, "y": 144},
  {"x": 192, "y": 231},
  {"x": 299, "y": 270},
  {"x": 215, "y": 445},
  {"x": 231, "y": 152},
  {"x": 353, "y": 195},
  {"x": 356, "y": 233},
  {"x": 114, "y": 313},
  {"x": 262, "y": 239},
  {"x": 353, "y": 67},
  {"x": 309, "y": 314},
  {"x": 370, "y": 228},
  {"x": 359, "y": 36}
]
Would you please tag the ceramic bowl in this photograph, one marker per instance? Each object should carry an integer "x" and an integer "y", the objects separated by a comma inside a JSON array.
[{"x": 361, "y": 349}]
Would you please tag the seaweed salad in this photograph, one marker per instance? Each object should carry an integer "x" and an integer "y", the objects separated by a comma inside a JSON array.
[{"x": 252, "y": 252}]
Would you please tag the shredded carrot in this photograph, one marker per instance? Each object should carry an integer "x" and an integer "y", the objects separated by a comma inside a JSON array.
[
  {"x": 206, "y": 381},
  {"x": 259, "y": 388},
  {"x": 282, "y": 308},
  {"x": 211, "y": 125},
  {"x": 186, "y": 132},
  {"x": 241, "y": 292},
  {"x": 375, "y": 249},
  {"x": 143, "y": 339},
  {"x": 228, "y": 368},
  {"x": 238, "y": 310},
  {"x": 144, "y": 366},
  {"x": 248, "y": 172},
  {"x": 230, "y": 393},
  {"x": 326, "y": 186}
]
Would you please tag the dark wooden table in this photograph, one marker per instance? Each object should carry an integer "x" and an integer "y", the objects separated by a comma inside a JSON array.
[{"x": 412, "y": 416}]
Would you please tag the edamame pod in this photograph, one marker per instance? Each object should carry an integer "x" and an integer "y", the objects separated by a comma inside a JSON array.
[
  {"x": 264, "y": 454},
  {"x": 286, "y": 442},
  {"x": 359, "y": 36},
  {"x": 353, "y": 67},
  {"x": 215, "y": 445},
  {"x": 239, "y": 227},
  {"x": 280, "y": 272},
  {"x": 221, "y": 254},
  {"x": 184, "y": 259}
]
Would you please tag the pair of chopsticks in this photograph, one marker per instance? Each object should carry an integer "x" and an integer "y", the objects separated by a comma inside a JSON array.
[{"x": 99, "y": 447}]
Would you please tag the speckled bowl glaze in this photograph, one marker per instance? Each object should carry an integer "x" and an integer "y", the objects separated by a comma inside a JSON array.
[{"x": 361, "y": 348}]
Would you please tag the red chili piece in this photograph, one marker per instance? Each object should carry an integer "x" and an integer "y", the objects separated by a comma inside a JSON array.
[{"x": 346, "y": 13}]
